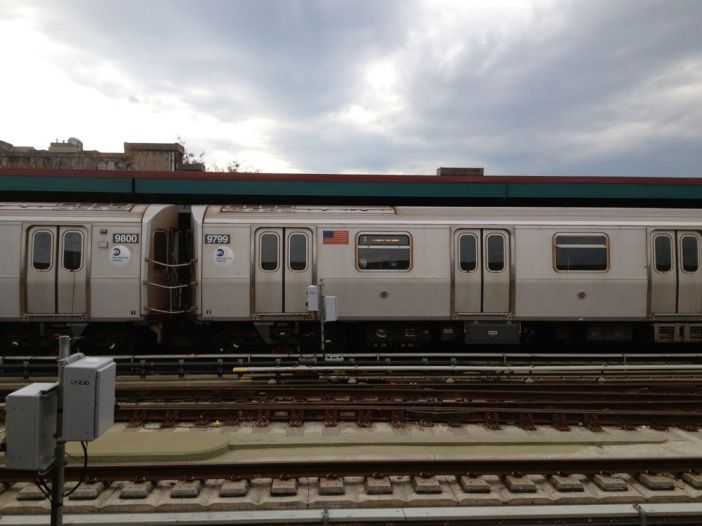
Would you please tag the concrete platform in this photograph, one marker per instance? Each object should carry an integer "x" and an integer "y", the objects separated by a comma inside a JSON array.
[
  {"x": 346, "y": 441},
  {"x": 380, "y": 441},
  {"x": 249, "y": 442}
]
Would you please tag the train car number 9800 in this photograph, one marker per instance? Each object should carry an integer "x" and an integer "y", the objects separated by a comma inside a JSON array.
[
  {"x": 217, "y": 239},
  {"x": 125, "y": 238}
]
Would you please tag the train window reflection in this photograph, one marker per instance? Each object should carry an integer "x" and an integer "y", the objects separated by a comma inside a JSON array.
[
  {"x": 468, "y": 252},
  {"x": 585, "y": 252},
  {"x": 662, "y": 253},
  {"x": 42, "y": 248},
  {"x": 495, "y": 252},
  {"x": 383, "y": 252},
  {"x": 269, "y": 251},
  {"x": 298, "y": 252},
  {"x": 690, "y": 254},
  {"x": 72, "y": 250}
]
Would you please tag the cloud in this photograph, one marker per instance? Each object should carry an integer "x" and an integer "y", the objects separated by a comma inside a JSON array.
[{"x": 532, "y": 86}]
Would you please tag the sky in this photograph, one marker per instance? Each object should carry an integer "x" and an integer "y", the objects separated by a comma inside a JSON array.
[{"x": 529, "y": 87}]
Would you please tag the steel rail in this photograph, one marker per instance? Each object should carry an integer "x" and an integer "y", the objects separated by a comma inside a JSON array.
[
  {"x": 493, "y": 417},
  {"x": 509, "y": 369},
  {"x": 371, "y": 468},
  {"x": 432, "y": 363},
  {"x": 374, "y": 355},
  {"x": 687, "y": 391}
]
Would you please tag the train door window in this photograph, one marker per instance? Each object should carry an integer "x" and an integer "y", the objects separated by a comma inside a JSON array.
[
  {"x": 72, "y": 250},
  {"x": 662, "y": 249},
  {"x": 383, "y": 252},
  {"x": 467, "y": 252},
  {"x": 496, "y": 253},
  {"x": 160, "y": 248},
  {"x": 42, "y": 250},
  {"x": 689, "y": 253},
  {"x": 585, "y": 252},
  {"x": 269, "y": 251},
  {"x": 297, "y": 253}
]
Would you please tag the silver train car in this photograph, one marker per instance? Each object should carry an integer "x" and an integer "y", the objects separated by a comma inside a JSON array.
[
  {"x": 237, "y": 277},
  {"x": 99, "y": 271},
  {"x": 409, "y": 277}
]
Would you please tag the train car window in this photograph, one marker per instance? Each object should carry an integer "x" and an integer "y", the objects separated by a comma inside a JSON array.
[
  {"x": 269, "y": 251},
  {"x": 468, "y": 252},
  {"x": 662, "y": 248},
  {"x": 496, "y": 252},
  {"x": 383, "y": 251},
  {"x": 586, "y": 252},
  {"x": 42, "y": 248},
  {"x": 160, "y": 248},
  {"x": 690, "y": 254},
  {"x": 298, "y": 252},
  {"x": 72, "y": 250}
]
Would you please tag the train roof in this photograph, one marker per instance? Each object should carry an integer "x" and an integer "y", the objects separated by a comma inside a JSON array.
[
  {"x": 125, "y": 212},
  {"x": 244, "y": 214},
  {"x": 36, "y": 184}
]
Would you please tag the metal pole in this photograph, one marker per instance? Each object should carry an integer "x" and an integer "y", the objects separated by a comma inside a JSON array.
[
  {"x": 57, "y": 479},
  {"x": 322, "y": 315}
]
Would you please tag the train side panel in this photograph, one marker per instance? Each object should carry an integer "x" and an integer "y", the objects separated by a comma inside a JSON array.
[
  {"x": 420, "y": 292},
  {"x": 115, "y": 281},
  {"x": 619, "y": 292},
  {"x": 10, "y": 263},
  {"x": 226, "y": 271}
]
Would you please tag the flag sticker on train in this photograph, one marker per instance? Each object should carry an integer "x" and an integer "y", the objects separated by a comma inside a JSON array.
[{"x": 335, "y": 237}]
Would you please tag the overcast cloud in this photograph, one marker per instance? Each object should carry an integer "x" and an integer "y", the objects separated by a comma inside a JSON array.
[{"x": 589, "y": 87}]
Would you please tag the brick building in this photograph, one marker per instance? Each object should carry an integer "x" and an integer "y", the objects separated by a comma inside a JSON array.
[{"x": 163, "y": 157}]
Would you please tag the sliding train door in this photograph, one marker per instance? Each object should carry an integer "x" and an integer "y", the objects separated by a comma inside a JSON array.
[
  {"x": 56, "y": 271},
  {"x": 481, "y": 272},
  {"x": 675, "y": 272},
  {"x": 282, "y": 270}
]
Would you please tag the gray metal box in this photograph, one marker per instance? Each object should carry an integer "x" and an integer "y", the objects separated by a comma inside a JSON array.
[
  {"x": 30, "y": 425},
  {"x": 88, "y": 398},
  {"x": 492, "y": 332},
  {"x": 330, "y": 313}
]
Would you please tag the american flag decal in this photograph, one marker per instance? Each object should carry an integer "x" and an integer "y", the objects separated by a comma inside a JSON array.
[{"x": 335, "y": 237}]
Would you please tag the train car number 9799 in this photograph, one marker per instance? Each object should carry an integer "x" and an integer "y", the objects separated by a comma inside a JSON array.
[
  {"x": 125, "y": 238},
  {"x": 217, "y": 239}
]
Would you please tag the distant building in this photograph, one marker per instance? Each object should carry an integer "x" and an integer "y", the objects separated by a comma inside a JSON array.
[{"x": 162, "y": 157}]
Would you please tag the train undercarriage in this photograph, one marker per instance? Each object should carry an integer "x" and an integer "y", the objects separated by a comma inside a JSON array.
[{"x": 349, "y": 337}]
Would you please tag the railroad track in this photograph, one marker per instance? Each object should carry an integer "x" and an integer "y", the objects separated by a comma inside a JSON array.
[
  {"x": 430, "y": 492},
  {"x": 664, "y": 365},
  {"x": 374, "y": 468},
  {"x": 396, "y": 389},
  {"x": 528, "y": 405},
  {"x": 494, "y": 405},
  {"x": 492, "y": 417}
]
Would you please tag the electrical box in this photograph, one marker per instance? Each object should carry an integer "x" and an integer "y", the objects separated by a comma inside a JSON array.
[
  {"x": 88, "y": 398},
  {"x": 330, "y": 308},
  {"x": 492, "y": 332},
  {"x": 312, "y": 296},
  {"x": 30, "y": 426}
]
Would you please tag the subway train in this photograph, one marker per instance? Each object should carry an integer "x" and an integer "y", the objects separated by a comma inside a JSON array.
[{"x": 303, "y": 278}]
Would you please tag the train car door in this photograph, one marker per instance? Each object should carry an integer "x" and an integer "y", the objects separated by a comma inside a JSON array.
[
  {"x": 283, "y": 270},
  {"x": 676, "y": 276},
  {"x": 481, "y": 272},
  {"x": 56, "y": 270}
]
